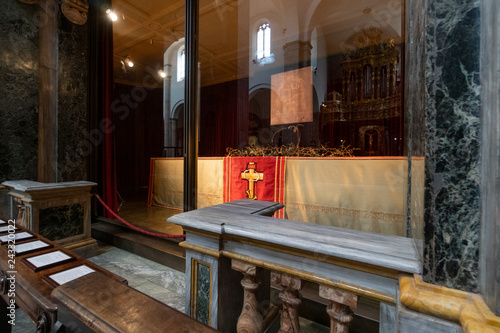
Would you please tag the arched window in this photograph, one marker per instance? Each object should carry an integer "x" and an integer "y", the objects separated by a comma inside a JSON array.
[
  {"x": 263, "y": 41},
  {"x": 181, "y": 64}
]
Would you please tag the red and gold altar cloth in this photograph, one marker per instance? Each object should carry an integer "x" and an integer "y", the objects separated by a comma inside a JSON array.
[{"x": 270, "y": 188}]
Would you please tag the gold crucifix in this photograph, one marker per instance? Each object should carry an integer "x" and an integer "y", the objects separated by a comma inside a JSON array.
[{"x": 252, "y": 176}]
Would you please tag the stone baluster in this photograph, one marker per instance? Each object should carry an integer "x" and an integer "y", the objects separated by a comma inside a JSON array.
[
  {"x": 291, "y": 300},
  {"x": 250, "y": 320},
  {"x": 339, "y": 308}
]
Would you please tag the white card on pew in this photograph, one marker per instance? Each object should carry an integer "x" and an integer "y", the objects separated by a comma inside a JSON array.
[
  {"x": 2, "y": 221},
  {"x": 18, "y": 236},
  {"x": 8, "y": 227},
  {"x": 48, "y": 259},
  {"x": 35, "y": 245},
  {"x": 71, "y": 274}
]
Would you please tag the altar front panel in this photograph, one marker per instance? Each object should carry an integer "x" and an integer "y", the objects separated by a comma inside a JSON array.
[
  {"x": 167, "y": 181},
  {"x": 367, "y": 194}
]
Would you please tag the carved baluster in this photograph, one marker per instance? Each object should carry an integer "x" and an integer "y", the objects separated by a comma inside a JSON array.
[
  {"x": 339, "y": 309},
  {"x": 21, "y": 212},
  {"x": 291, "y": 300},
  {"x": 250, "y": 320}
]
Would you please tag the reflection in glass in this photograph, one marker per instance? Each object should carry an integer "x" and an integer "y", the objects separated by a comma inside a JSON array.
[
  {"x": 264, "y": 41},
  {"x": 274, "y": 75}
]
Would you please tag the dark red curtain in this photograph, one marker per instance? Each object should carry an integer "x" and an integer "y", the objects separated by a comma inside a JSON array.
[{"x": 223, "y": 117}]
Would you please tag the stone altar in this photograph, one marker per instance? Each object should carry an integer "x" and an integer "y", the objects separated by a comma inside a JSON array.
[{"x": 57, "y": 211}]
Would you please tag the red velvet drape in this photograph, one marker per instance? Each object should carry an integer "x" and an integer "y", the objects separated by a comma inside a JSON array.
[
  {"x": 108, "y": 148},
  {"x": 223, "y": 117}
]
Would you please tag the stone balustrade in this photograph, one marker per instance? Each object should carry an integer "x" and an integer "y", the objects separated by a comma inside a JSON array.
[{"x": 239, "y": 240}]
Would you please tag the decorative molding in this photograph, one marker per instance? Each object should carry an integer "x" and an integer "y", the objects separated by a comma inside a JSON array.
[
  {"x": 363, "y": 267},
  {"x": 462, "y": 307},
  {"x": 21, "y": 212},
  {"x": 371, "y": 293},
  {"x": 195, "y": 292},
  {"x": 75, "y": 10},
  {"x": 200, "y": 249}
]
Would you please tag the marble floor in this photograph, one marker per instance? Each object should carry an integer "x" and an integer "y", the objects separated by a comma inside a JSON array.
[
  {"x": 161, "y": 282},
  {"x": 158, "y": 281}
]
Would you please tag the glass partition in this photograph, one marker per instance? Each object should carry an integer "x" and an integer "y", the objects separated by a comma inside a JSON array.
[
  {"x": 320, "y": 83},
  {"x": 314, "y": 89},
  {"x": 148, "y": 107},
  {"x": 313, "y": 74}
]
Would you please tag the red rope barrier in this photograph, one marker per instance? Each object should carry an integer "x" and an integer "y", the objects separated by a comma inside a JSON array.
[{"x": 134, "y": 227}]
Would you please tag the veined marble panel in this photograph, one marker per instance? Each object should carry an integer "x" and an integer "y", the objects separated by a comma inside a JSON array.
[
  {"x": 18, "y": 91},
  {"x": 73, "y": 102},
  {"x": 61, "y": 222},
  {"x": 203, "y": 293},
  {"x": 452, "y": 144}
]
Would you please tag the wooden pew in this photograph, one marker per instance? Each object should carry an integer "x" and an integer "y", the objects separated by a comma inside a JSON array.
[
  {"x": 105, "y": 305},
  {"x": 98, "y": 301},
  {"x": 32, "y": 289}
]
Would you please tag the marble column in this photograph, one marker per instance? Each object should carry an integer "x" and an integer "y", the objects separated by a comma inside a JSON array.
[
  {"x": 452, "y": 144},
  {"x": 73, "y": 101},
  {"x": 48, "y": 83},
  {"x": 490, "y": 154}
]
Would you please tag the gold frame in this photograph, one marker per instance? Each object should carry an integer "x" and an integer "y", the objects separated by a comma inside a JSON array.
[{"x": 194, "y": 288}]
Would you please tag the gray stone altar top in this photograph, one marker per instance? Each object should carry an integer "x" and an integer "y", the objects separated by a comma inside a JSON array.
[
  {"x": 37, "y": 190},
  {"x": 242, "y": 219}
]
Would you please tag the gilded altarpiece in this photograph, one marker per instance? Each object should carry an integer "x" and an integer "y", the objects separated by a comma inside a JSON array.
[{"x": 367, "y": 111}]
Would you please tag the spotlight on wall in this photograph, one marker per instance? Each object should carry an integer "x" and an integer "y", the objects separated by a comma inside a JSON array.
[
  {"x": 129, "y": 62},
  {"x": 112, "y": 15},
  {"x": 126, "y": 63},
  {"x": 162, "y": 74}
]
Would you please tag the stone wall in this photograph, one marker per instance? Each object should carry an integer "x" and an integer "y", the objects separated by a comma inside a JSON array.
[
  {"x": 18, "y": 90},
  {"x": 19, "y": 59}
]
